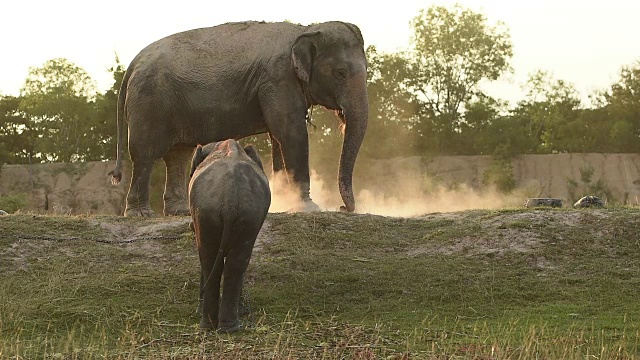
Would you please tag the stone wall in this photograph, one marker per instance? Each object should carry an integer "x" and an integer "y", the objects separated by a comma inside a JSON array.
[{"x": 85, "y": 188}]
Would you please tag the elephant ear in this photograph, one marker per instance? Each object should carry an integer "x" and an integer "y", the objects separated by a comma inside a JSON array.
[
  {"x": 253, "y": 155},
  {"x": 198, "y": 156},
  {"x": 303, "y": 53}
]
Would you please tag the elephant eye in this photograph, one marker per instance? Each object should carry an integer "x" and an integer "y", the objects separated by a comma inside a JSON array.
[{"x": 340, "y": 74}]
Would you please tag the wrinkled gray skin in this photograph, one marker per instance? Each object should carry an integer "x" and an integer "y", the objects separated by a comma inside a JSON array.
[
  {"x": 236, "y": 80},
  {"x": 229, "y": 198}
]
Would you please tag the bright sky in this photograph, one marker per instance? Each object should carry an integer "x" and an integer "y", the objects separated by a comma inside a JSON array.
[{"x": 584, "y": 42}]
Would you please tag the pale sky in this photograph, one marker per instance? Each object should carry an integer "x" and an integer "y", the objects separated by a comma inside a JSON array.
[{"x": 583, "y": 42}]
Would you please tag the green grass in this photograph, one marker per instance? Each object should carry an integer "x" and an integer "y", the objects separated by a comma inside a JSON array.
[{"x": 509, "y": 284}]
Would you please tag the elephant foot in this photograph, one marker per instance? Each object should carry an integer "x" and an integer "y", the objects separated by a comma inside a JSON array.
[
  {"x": 139, "y": 212},
  {"x": 177, "y": 212},
  {"x": 306, "y": 206},
  {"x": 230, "y": 328},
  {"x": 344, "y": 209},
  {"x": 176, "y": 207},
  {"x": 207, "y": 325}
]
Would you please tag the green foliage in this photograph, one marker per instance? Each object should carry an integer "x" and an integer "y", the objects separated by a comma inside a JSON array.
[
  {"x": 393, "y": 108},
  {"x": 59, "y": 116},
  {"x": 57, "y": 97},
  {"x": 500, "y": 173},
  {"x": 13, "y": 202},
  {"x": 425, "y": 101},
  {"x": 105, "y": 114},
  {"x": 586, "y": 173},
  {"x": 622, "y": 103},
  {"x": 261, "y": 143},
  {"x": 18, "y": 133},
  {"x": 454, "y": 49},
  {"x": 587, "y": 187},
  {"x": 548, "y": 109}
]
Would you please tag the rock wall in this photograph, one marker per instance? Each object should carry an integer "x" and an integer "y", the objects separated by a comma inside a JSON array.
[
  {"x": 85, "y": 188},
  {"x": 559, "y": 175},
  {"x": 549, "y": 175},
  {"x": 78, "y": 188}
]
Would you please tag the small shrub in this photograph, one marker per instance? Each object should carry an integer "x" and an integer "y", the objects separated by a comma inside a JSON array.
[
  {"x": 586, "y": 187},
  {"x": 572, "y": 186},
  {"x": 601, "y": 190},
  {"x": 500, "y": 173},
  {"x": 586, "y": 173},
  {"x": 533, "y": 190},
  {"x": 14, "y": 202}
]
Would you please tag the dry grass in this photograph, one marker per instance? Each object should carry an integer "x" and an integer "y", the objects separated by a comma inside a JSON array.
[{"x": 511, "y": 284}]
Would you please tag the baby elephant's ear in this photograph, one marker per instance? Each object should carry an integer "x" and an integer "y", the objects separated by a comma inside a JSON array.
[
  {"x": 253, "y": 155},
  {"x": 198, "y": 156}
]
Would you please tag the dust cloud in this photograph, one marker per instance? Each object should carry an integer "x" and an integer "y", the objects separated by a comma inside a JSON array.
[{"x": 392, "y": 196}]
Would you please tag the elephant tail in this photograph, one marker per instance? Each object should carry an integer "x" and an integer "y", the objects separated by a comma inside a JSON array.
[
  {"x": 218, "y": 265},
  {"x": 116, "y": 173}
]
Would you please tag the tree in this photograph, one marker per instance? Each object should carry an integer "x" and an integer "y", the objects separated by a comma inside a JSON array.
[
  {"x": 393, "y": 108},
  {"x": 105, "y": 115},
  {"x": 484, "y": 127},
  {"x": 453, "y": 50},
  {"x": 546, "y": 95},
  {"x": 550, "y": 112},
  {"x": 57, "y": 99},
  {"x": 16, "y": 131},
  {"x": 622, "y": 102}
]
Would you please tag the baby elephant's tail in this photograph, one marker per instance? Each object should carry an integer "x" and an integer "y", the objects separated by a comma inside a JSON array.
[{"x": 218, "y": 265}]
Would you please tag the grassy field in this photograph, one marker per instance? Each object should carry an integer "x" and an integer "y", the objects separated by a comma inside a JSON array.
[{"x": 510, "y": 284}]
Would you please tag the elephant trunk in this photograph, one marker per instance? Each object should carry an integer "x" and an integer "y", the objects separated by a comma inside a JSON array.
[{"x": 355, "y": 115}]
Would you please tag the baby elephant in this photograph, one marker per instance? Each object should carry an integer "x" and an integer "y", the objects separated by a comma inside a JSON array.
[{"x": 229, "y": 198}]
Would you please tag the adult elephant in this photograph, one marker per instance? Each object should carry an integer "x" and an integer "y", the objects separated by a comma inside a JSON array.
[{"x": 236, "y": 80}]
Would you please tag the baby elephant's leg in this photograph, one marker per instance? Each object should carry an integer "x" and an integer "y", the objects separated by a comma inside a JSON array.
[{"x": 235, "y": 266}]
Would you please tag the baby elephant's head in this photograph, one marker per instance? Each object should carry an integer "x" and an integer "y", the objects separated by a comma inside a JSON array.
[
  {"x": 198, "y": 156},
  {"x": 202, "y": 152},
  {"x": 253, "y": 154}
]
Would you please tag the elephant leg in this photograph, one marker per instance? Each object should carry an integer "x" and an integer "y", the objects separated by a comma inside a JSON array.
[
  {"x": 138, "y": 196},
  {"x": 276, "y": 156},
  {"x": 285, "y": 119},
  {"x": 208, "y": 237},
  {"x": 210, "y": 294},
  {"x": 175, "y": 191},
  {"x": 294, "y": 146},
  {"x": 200, "y": 291},
  {"x": 231, "y": 291},
  {"x": 236, "y": 264}
]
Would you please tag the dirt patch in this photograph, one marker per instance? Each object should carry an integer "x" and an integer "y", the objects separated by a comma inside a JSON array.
[
  {"x": 505, "y": 241},
  {"x": 509, "y": 233},
  {"x": 265, "y": 236},
  {"x": 127, "y": 233},
  {"x": 17, "y": 254},
  {"x": 455, "y": 216},
  {"x": 519, "y": 232}
]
